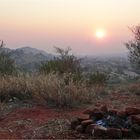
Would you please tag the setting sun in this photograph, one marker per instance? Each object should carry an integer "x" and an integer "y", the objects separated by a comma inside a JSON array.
[{"x": 100, "y": 34}]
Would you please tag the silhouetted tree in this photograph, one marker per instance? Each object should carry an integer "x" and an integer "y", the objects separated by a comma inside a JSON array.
[{"x": 134, "y": 47}]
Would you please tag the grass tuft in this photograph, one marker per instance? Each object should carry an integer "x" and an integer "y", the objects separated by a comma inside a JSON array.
[{"x": 49, "y": 89}]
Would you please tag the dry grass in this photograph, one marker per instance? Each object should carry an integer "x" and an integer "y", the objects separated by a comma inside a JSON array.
[
  {"x": 50, "y": 89},
  {"x": 134, "y": 88}
]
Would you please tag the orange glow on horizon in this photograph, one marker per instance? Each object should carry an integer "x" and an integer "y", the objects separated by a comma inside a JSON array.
[{"x": 74, "y": 23}]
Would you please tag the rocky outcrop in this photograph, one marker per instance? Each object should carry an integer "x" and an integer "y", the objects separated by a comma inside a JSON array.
[{"x": 102, "y": 122}]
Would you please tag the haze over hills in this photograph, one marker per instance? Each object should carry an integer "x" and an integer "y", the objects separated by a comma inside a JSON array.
[
  {"x": 28, "y": 58},
  {"x": 34, "y": 51}
]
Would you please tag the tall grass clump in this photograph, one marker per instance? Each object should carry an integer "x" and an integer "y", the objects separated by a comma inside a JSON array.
[
  {"x": 53, "y": 90},
  {"x": 15, "y": 86},
  {"x": 48, "y": 89}
]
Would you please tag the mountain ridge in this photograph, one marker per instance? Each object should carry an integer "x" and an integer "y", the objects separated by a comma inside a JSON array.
[{"x": 27, "y": 58}]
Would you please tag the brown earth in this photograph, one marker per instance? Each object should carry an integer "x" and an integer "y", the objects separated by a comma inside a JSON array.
[{"x": 46, "y": 122}]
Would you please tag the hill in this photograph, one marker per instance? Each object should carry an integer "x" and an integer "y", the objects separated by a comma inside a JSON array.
[{"x": 27, "y": 58}]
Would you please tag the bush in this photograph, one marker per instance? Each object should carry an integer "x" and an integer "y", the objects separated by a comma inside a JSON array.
[
  {"x": 7, "y": 66},
  {"x": 64, "y": 63},
  {"x": 98, "y": 78}
]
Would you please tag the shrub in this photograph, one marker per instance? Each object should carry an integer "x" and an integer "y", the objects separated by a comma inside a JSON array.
[
  {"x": 98, "y": 78},
  {"x": 64, "y": 63},
  {"x": 7, "y": 66}
]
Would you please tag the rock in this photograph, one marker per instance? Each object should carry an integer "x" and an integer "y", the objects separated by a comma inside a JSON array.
[
  {"x": 83, "y": 117},
  {"x": 88, "y": 111},
  {"x": 79, "y": 128},
  {"x": 132, "y": 111},
  {"x": 91, "y": 111},
  {"x": 135, "y": 119},
  {"x": 121, "y": 114},
  {"x": 96, "y": 110},
  {"x": 126, "y": 133},
  {"x": 98, "y": 115},
  {"x": 87, "y": 122},
  {"x": 99, "y": 131},
  {"x": 90, "y": 128},
  {"x": 136, "y": 128},
  {"x": 114, "y": 133},
  {"x": 112, "y": 112},
  {"x": 104, "y": 108},
  {"x": 74, "y": 123}
]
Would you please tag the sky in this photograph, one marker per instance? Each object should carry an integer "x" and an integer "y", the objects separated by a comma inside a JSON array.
[{"x": 44, "y": 24}]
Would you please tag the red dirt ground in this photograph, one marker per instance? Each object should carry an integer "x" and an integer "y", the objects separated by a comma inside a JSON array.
[
  {"x": 33, "y": 118},
  {"x": 23, "y": 123}
]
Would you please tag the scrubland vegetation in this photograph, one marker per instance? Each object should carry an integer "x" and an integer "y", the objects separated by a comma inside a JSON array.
[
  {"x": 63, "y": 83},
  {"x": 49, "y": 89},
  {"x": 59, "y": 82}
]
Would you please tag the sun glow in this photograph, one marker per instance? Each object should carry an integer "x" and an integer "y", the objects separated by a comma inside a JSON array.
[{"x": 100, "y": 34}]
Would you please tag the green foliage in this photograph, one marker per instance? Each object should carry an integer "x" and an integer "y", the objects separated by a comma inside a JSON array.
[
  {"x": 98, "y": 78},
  {"x": 64, "y": 63},
  {"x": 134, "y": 47},
  {"x": 7, "y": 66}
]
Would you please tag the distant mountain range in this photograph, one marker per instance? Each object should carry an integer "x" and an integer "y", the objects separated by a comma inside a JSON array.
[{"x": 28, "y": 58}]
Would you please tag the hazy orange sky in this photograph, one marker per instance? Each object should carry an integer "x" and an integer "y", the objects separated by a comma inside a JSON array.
[{"x": 46, "y": 23}]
